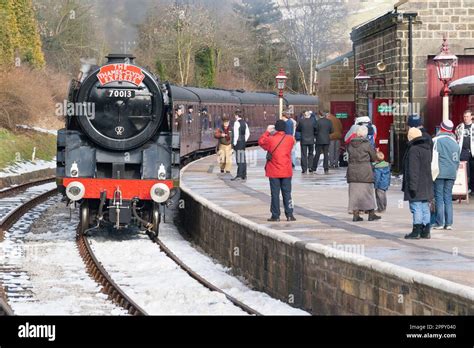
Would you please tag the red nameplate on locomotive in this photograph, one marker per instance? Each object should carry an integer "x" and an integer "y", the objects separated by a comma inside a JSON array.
[{"x": 120, "y": 73}]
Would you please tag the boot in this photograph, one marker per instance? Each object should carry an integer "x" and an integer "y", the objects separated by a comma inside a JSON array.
[
  {"x": 373, "y": 217},
  {"x": 415, "y": 233},
  {"x": 425, "y": 232},
  {"x": 356, "y": 217}
]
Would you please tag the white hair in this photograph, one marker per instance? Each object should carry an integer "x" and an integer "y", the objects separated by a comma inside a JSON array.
[{"x": 362, "y": 131}]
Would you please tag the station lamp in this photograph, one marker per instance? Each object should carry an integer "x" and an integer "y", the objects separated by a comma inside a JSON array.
[
  {"x": 446, "y": 63},
  {"x": 281, "y": 79}
]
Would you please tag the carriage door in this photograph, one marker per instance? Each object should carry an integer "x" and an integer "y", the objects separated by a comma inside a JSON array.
[{"x": 382, "y": 118}]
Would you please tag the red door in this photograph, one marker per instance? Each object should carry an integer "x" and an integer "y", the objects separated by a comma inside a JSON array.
[
  {"x": 344, "y": 111},
  {"x": 382, "y": 118}
]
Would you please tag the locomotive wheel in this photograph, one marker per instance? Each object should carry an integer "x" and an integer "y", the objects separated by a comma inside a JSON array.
[
  {"x": 155, "y": 219},
  {"x": 84, "y": 216}
]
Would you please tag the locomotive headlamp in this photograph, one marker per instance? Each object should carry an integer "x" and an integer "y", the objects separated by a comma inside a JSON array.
[
  {"x": 160, "y": 193},
  {"x": 75, "y": 191},
  {"x": 74, "y": 170},
  {"x": 162, "y": 172}
]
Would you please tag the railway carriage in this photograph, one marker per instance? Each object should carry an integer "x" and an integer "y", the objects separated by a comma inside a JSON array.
[{"x": 120, "y": 152}]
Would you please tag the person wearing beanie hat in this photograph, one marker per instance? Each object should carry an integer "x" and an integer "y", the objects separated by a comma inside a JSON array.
[
  {"x": 280, "y": 126},
  {"x": 414, "y": 121},
  {"x": 417, "y": 182},
  {"x": 414, "y": 133},
  {"x": 447, "y": 126},
  {"x": 278, "y": 168},
  {"x": 448, "y": 151}
]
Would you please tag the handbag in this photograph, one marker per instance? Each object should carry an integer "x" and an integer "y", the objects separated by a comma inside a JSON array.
[{"x": 270, "y": 154}]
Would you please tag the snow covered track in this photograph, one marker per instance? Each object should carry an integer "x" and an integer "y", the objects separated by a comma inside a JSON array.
[
  {"x": 201, "y": 280},
  {"x": 100, "y": 275},
  {"x": 15, "y": 189},
  {"x": 16, "y": 213}
]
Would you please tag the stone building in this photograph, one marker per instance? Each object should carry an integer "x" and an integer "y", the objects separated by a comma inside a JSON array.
[
  {"x": 335, "y": 87},
  {"x": 398, "y": 48}
]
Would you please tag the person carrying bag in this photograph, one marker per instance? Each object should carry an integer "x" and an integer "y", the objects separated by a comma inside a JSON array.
[{"x": 279, "y": 168}]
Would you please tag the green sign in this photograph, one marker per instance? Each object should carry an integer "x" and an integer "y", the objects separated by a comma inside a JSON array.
[
  {"x": 342, "y": 115},
  {"x": 384, "y": 109}
]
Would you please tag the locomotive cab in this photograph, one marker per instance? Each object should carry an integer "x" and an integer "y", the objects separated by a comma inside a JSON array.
[{"x": 117, "y": 156}]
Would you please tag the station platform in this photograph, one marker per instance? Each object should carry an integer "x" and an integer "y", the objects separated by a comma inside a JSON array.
[{"x": 322, "y": 217}]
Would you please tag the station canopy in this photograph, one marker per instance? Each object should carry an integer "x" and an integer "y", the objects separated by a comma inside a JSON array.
[{"x": 464, "y": 86}]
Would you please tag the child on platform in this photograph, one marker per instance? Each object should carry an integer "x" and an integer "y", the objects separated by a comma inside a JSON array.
[{"x": 381, "y": 181}]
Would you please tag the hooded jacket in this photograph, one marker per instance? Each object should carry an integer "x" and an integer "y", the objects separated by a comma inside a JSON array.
[
  {"x": 382, "y": 175},
  {"x": 417, "y": 180},
  {"x": 280, "y": 166},
  {"x": 448, "y": 155},
  {"x": 361, "y": 154}
]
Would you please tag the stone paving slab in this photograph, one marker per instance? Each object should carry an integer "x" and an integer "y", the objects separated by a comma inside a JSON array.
[{"x": 322, "y": 218}]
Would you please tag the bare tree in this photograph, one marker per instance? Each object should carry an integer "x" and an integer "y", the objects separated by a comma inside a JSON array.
[{"x": 312, "y": 30}]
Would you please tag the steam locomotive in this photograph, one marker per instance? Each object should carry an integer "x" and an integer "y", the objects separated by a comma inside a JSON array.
[{"x": 120, "y": 153}]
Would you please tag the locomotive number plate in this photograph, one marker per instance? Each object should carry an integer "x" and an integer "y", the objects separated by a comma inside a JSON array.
[{"x": 120, "y": 93}]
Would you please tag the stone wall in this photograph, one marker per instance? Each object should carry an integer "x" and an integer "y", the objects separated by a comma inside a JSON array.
[
  {"x": 336, "y": 82},
  {"x": 316, "y": 278},
  {"x": 27, "y": 177}
]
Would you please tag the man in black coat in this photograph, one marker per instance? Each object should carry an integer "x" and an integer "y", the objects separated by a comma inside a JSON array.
[
  {"x": 323, "y": 130},
  {"x": 417, "y": 182},
  {"x": 307, "y": 128}
]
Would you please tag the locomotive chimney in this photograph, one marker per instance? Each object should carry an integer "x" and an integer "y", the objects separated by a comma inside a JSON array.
[{"x": 120, "y": 58}]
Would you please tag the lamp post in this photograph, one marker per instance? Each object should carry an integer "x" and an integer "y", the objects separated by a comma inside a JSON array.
[
  {"x": 281, "y": 83},
  {"x": 362, "y": 79},
  {"x": 445, "y": 62}
]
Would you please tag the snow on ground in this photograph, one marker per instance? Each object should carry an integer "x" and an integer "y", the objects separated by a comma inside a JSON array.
[
  {"x": 10, "y": 203},
  {"x": 26, "y": 166},
  {"x": 219, "y": 275},
  {"x": 154, "y": 281},
  {"x": 42, "y": 271},
  {"x": 38, "y": 129}
]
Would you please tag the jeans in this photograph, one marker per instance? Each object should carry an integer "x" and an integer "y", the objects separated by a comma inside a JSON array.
[
  {"x": 381, "y": 198},
  {"x": 443, "y": 190},
  {"x": 421, "y": 212},
  {"x": 307, "y": 154},
  {"x": 324, "y": 149},
  {"x": 240, "y": 159},
  {"x": 283, "y": 185},
  {"x": 334, "y": 153}
]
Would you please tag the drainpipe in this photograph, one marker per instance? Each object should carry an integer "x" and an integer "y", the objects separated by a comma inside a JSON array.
[{"x": 411, "y": 17}]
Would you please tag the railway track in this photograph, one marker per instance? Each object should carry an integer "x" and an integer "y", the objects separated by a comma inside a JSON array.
[
  {"x": 15, "y": 189},
  {"x": 14, "y": 215},
  {"x": 92, "y": 264},
  {"x": 100, "y": 275},
  {"x": 200, "y": 279}
]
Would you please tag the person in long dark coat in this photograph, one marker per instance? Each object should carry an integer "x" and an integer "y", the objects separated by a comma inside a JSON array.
[
  {"x": 417, "y": 182},
  {"x": 360, "y": 176}
]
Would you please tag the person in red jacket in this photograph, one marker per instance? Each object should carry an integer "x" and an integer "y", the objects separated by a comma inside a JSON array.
[{"x": 279, "y": 168}]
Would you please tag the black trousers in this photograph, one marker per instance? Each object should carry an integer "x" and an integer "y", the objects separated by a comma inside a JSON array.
[
  {"x": 283, "y": 185},
  {"x": 324, "y": 149},
  {"x": 466, "y": 156},
  {"x": 307, "y": 155},
  {"x": 240, "y": 159}
]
